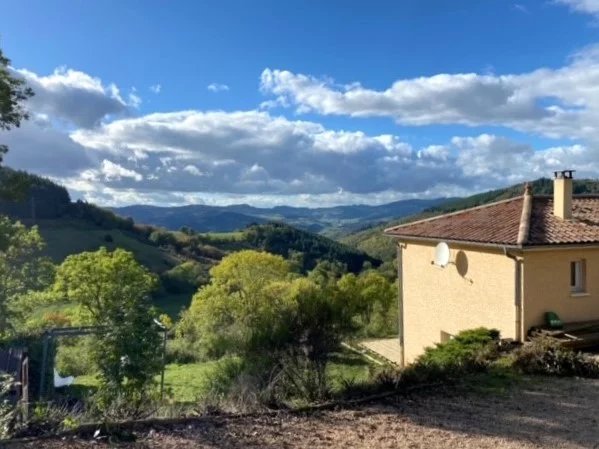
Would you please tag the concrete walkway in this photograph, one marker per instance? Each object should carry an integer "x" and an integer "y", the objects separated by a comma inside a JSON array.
[{"x": 388, "y": 348}]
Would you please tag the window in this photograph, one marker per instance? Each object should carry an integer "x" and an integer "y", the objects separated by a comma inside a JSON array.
[{"x": 578, "y": 276}]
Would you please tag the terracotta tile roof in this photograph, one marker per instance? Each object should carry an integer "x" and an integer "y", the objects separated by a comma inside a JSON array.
[
  {"x": 500, "y": 223},
  {"x": 547, "y": 229}
]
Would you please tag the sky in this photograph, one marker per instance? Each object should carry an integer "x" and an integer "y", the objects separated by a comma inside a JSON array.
[{"x": 303, "y": 103}]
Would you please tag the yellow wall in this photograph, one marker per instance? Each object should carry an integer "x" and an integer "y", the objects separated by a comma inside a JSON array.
[
  {"x": 547, "y": 286},
  {"x": 444, "y": 300}
]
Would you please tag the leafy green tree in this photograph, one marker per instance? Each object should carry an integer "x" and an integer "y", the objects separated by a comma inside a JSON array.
[
  {"x": 231, "y": 313},
  {"x": 13, "y": 92},
  {"x": 373, "y": 300},
  {"x": 22, "y": 270},
  {"x": 114, "y": 291},
  {"x": 257, "y": 308},
  {"x": 185, "y": 277}
]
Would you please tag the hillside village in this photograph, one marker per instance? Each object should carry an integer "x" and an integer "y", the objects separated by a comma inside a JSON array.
[{"x": 382, "y": 244}]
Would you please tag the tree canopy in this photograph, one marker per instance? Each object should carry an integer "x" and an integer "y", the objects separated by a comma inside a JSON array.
[
  {"x": 114, "y": 291},
  {"x": 13, "y": 92}
]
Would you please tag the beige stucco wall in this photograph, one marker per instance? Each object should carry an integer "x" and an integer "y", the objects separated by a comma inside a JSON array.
[
  {"x": 547, "y": 286},
  {"x": 444, "y": 300}
]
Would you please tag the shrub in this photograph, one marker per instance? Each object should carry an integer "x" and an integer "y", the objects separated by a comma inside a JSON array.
[
  {"x": 545, "y": 355},
  {"x": 74, "y": 358},
  {"x": 469, "y": 351},
  {"x": 7, "y": 409},
  {"x": 180, "y": 350}
]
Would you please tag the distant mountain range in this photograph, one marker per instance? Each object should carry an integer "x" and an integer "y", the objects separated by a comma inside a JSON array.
[{"x": 330, "y": 221}]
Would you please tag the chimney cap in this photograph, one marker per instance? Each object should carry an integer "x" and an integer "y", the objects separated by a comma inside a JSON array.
[
  {"x": 527, "y": 189},
  {"x": 563, "y": 174}
]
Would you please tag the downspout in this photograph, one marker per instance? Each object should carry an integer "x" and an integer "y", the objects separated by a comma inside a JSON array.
[
  {"x": 400, "y": 313},
  {"x": 517, "y": 293},
  {"x": 523, "y": 232}
]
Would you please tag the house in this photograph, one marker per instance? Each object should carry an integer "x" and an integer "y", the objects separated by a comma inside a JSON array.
[{"x": 510, "y": 262}]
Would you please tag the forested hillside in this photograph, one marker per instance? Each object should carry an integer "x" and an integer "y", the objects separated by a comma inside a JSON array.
[
  {"x": 181, "y": 258},
  {"x": 329, "y": 221},
  {"x": 373, "y": 242}
]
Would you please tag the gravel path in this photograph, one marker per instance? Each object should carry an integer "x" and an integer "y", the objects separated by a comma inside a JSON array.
[{"x": 540, "y": 413}]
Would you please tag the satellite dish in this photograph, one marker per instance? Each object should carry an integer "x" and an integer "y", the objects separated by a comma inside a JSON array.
[{"x": 442, "y": 254}]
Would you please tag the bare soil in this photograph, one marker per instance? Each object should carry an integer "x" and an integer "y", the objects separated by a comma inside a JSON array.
[{"x": 537, "y": 413}]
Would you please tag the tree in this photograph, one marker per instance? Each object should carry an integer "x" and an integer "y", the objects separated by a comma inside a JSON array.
[
  {"x": 232, "y": 313},
  {"x": 373, "y": 300},
  {"x": 113, "y": 289},
  {"x": 13, "y": 92},
  {"x": 282, "y": 325},
  {"x": 22, "y": 270}
]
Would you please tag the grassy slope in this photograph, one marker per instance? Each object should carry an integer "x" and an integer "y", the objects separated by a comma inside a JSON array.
[
  {"x": 373, "y": 242},
  {"x": 71, "y": 236},
  {"x": 191, "y": 381}
]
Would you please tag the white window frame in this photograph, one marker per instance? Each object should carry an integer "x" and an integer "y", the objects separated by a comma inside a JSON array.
[{"x": 578, "y": 276}]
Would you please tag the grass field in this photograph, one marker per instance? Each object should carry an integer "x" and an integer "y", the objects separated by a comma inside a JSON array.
[
  {"x": 65, "y": 237},
  {"x": 187, "y": 383}
]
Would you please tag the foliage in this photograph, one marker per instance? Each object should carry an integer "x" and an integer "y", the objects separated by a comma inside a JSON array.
[
  {"x": 185, "y": 277},
  {"x": 374, "y": 300},
  {"x": 278, "y": 238},
  {"x": 114, "y": 289},
  {"x": 284, "y": 327},
  {"x": 74, "y": 357},
  {"x": 545, "y": 355},
  {"x": 468, "y": 351},
  {"x": 13, "y": 92},
  {"x": 7, "y": 409},
  {"x": 230, "y": 312},
  {"x": 21, "y": 270}
]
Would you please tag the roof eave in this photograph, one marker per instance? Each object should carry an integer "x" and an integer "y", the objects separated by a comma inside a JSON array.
[{"x": 409, "y": 238}]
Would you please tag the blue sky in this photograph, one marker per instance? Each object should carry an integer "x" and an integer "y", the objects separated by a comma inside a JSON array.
[{"x": 302, "y": 102}]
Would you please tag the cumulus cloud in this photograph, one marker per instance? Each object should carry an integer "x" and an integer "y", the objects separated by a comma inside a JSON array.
[
  {"x": 217, "y": 87},
  {"x": 112, "y": 171},
  {"x": 73, "y": 96},
  {"x": 557, "y": 103},
  {"x": 260, "y": 158},
  {"x": 156, "y": 88},
  {"x": 254, "y": 152}
]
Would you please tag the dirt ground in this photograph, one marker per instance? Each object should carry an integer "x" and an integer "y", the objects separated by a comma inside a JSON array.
[{"x": 538, "y": 413}]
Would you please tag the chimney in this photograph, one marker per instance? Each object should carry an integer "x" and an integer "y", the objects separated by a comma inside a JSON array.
[{"x": 562, "y": 194}]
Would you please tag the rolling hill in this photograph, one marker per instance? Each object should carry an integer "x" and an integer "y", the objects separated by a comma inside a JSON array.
[
  {"x": 329, "y": 221},
  {"x": 181, "y": 259}
]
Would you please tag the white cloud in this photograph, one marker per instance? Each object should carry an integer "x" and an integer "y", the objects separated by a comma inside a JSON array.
[
  {"x": 192, "y": 169},
  {"x": 73, "y": 96},
  {"x": 112, "y": 171},
  {"x": 134, "y": 99},
  {"x": 156, "y": 88},
  {"x": 217, "y": 87},
  {"x": 557, "y": 103}
]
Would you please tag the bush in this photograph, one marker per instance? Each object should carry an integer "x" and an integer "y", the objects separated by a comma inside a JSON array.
[
  {"x": 545, "y": 355},
  {"x": 180, "y": 350},
  {"x": 185, "y": 278},
  {"x": 7, "y": 409},
  {"x": 469, "y": 351},
  {"x": 74, "y": 358}
]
